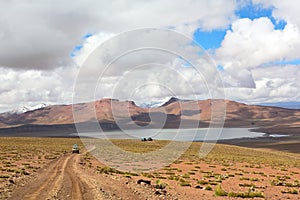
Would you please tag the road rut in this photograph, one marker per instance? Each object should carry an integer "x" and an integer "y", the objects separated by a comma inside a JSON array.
[{"x": 60, "y": 180}]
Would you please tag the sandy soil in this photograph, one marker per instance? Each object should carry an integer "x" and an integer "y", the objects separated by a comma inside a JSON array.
[
  {"x": 59, "y": 180},
  {"x": 66, "y": 178},
  {"x": 69, "y": 178},
  {"x": 77, "y": 176}
]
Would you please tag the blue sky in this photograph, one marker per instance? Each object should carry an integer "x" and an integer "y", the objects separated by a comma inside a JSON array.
[
  {"x": 284, "y": 62},
  {"x": 213, "y": 39},
  {"x": 79, "y": 47},
  {"x": 258, "y": 63}
]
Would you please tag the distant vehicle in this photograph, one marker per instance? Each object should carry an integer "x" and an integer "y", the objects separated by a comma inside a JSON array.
[
  {"x": 146, "y": 139},
  {"x": 75, "y": 149}
]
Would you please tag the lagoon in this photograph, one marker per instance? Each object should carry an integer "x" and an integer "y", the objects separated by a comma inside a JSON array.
[{"x": 200, "y": 134}]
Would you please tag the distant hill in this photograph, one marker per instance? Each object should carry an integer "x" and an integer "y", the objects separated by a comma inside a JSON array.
[
  {"x": 128, "y": 114},
  {"x": 291, "y": 105}
]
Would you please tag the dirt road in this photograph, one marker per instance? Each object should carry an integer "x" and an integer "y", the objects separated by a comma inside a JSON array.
[
  {"x": 66, "y": 179},
  {"x": 60, "y": 180}
]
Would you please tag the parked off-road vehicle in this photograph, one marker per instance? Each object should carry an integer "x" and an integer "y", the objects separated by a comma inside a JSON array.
[{"x": 75, "y": 149}]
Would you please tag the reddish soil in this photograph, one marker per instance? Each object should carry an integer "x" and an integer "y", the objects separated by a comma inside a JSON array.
[
  {"x": 79, "y": 176},
  {"x": 66, "y": 178}
]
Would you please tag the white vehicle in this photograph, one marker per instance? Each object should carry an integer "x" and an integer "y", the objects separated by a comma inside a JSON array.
[{"x": 75, "y": 149}]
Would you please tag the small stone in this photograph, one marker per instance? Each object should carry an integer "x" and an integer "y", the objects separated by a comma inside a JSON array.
[
  {"x": 157, "y": 192},
  {"x": 164, "y": 192},
  {"x": 147, "y": 182},
  {"x": 199, "y": 187}
]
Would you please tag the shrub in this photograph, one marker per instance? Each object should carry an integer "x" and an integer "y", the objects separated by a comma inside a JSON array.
[
  {"x": 148, "y": 175},
  {"x": 202, "y": 182},
  {"x": 208, "y": 187},
  {"x": 247, "y": 185},
  {"x": 249, "y": 194},
  {"x": 290, "y": 192},
  {"x": 160, "y": 184},
  {"x": 185, "y": 184},
  {"x": 186, "y": 176},
  {"x": 219, "y": 191},
  {"x": 108, "y": 170}
]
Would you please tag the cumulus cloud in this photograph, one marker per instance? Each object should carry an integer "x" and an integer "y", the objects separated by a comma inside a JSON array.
[
  {"x": 252, "y": 43},
  {"x": 144, "y": 64},
  {"x": 143, "y": 75},
  {"x": 89, "y": 45},
  {"x": 287, "y": 10},
  {"x": 31, "y": 87},
  {"x": 273, "y": 84},
  {"x": 250, "y": 49},
  {"x": 42, "y": 34},
  {"x": 37, "y": 39}
]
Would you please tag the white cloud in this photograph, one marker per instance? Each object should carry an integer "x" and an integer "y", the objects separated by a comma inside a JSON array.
[
  {"x": 273, "y": 84},
  {"x": 157, "y": 81},
  {"x": 287, "y": 10},
  {"x": 37, "y": 38},
  {"x": 31, "y": 87},
  {"x": 145, "y": 64},
  {"x": 42, "y": 34},
  {"x": 89, "y": 45},
  {"x": 252, "y": 43}
]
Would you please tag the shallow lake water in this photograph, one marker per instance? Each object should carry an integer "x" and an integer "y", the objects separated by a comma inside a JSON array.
[{"x": 200, "y": 134}]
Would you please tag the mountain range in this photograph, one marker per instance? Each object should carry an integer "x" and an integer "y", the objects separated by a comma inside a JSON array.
[
  {"x": 292, "y": 104},
  {"x": 112, "y": 113},
  {"x": 24, "y": 109}
]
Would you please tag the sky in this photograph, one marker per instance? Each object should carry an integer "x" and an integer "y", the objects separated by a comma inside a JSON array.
[{"x": 254, "y": 44}]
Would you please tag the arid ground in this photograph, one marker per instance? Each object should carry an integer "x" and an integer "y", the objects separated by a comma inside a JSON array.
[{"x": 45, "y": 168}]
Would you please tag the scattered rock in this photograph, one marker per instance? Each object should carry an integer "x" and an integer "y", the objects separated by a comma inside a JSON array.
[
  {"x": 160, "y": 192},
  {"x": 164, "y": 192},
  {"x": 142, "y": 181},
  {"x": 199, "y": 187},
  {"x": 157, "y": 192},
  {"x": 11, "y": 181}
]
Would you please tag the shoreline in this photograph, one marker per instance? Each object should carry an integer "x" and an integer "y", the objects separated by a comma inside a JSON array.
[
  {"x": 288, "y": 140},
  {"x": 289, "y": 144}
]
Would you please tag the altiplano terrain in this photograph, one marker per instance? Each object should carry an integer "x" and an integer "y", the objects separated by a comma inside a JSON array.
[
  {"x": 44, "y": 168},
  {"x": 59, "y": 118},
  {"x": 227, "y": 172},
  {"x": 66, "y": 179}
]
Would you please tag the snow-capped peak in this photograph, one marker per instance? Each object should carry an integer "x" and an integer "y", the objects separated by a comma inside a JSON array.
[{"x": 27, "y": 108}]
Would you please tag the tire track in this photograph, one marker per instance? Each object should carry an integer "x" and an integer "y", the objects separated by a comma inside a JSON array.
[
  {"x": 65, "y": 179},
  {"x": 76, "y": 186},
  {"x": 51, "y": 181},
  {"x": 52, "y": 184}
]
